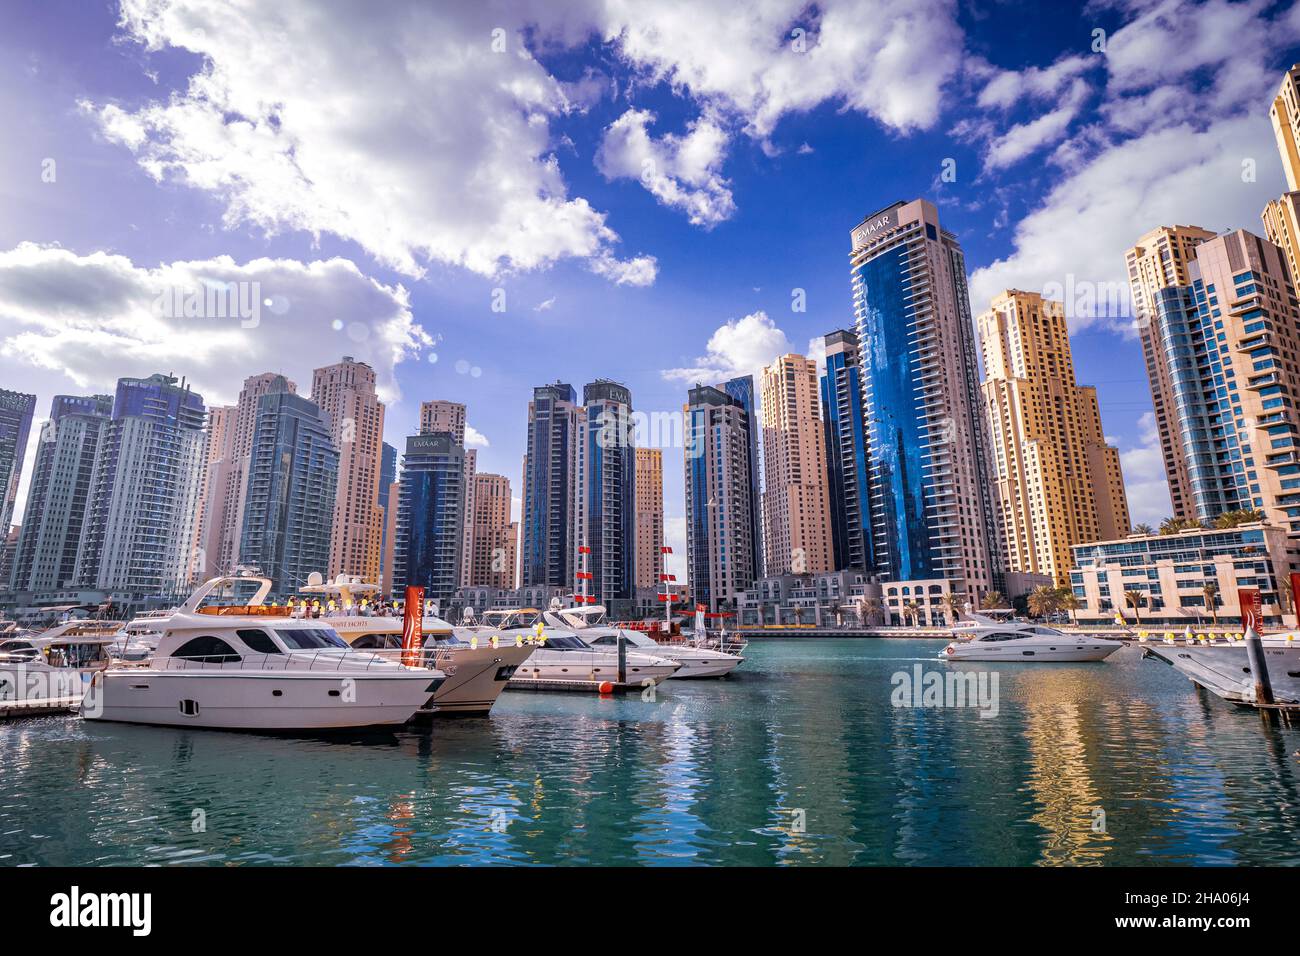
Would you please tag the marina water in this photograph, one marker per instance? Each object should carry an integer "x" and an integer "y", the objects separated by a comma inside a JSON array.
[{"x": 800, "y": 758}]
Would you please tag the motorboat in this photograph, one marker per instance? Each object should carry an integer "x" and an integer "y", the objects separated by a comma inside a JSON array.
[
  {"x": 55, "y": 664},
  {"x": 560, "y": 654},
  {"x": 246, "y": 666},
  {"x": 986, "y": 639},
  {"x": 589, "y": 623},
  {"x": 476, "y": 670},
  {"x": 1223, "y": 667}
]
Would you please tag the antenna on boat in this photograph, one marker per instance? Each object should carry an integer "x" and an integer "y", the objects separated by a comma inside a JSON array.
[{"x": 583, "y": 576}]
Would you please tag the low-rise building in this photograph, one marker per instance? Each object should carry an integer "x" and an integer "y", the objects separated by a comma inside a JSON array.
[{"x": 1189, "y": 578}]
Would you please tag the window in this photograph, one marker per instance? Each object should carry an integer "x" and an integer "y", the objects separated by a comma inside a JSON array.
[
  {"x": 258, "y": 641},
  {"x": 207, "y": 650},
  {"x": 311, "y": 638}
]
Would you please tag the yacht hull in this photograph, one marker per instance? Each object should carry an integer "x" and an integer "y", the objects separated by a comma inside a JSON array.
[
  {"x": 587, "y": 666},
  {"x": 475, "y": 679},
  {"x": 1224, "y": 669},
  {"x": 702, "y": 664},
  {"x": 249, "y": 700},
  {"x": 1058, "y": 653}
]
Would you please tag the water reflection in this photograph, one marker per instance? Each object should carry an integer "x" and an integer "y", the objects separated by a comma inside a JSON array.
[{"x": 801, "y": 759}]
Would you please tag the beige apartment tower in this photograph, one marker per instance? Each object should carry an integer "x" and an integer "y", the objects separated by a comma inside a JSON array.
[
  {"x": 796, "y": 502},
  {"x": 441, "y": 415},
  {"x": 494, "y": 535},
  {"x": 1282, "y": 215},
  {"x": 1058, "y": 482},
  {"x": 649, "y": 521},
  {"x": 1159, "y": 261},
  {"x": 346, "y": 392}
]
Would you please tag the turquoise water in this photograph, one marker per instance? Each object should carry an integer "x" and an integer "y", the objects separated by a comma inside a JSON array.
[{"x": 709, "y": 772}]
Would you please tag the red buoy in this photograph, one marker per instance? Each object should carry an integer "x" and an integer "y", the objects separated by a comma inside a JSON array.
[{"x": 606, "y": 687}]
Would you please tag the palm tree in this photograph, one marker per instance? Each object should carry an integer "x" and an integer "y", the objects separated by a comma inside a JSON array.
[
  {"x": 1135, "y": 599},
  {"x": 836, "y": 607},
  {"x": 1042, "y": 600},
  {"x": 911, "y": 610},
  {"x": 1143, "y": 529},
  {"x": 1175, "y": 525},
  {"x": 992, "y": 599},
  {"x": 868, "y": 608},
  {"x": 1211, "y": 592},
  {"x": 951, "y": 604},
  {"x": 1238, "y": 516},
  {"x": 798, "y": 614},
  {"x": 1069, "y": 601}
]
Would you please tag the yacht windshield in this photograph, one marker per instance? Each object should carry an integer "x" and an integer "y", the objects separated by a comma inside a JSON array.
[
  {"x": 564, "y": 642},
  {"x": 311, "y": 638}
]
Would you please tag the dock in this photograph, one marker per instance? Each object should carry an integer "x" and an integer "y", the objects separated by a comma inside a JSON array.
[{"x": 38, "y": 707}]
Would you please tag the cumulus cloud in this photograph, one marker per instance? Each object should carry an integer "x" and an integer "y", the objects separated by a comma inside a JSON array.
[
  {"x": 1025, "y": 138},
  {"x": 1145, "y": 482},
  {"x": 95, "y": 318},
  {"x": 409, "y": 128},
  {"x": 475, "y": 438},
  {"x": 739, "y": 347},
  {"x": 682, "y": 172}
]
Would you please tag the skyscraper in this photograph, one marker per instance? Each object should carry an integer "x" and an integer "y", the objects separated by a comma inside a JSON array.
[
  {"x": 604, "y": 516},
  {"x": 289, "y": 504},
  {"x": 430, "y": 517},
  {"x": 649, "y": 559},
  {"x": 493, "y": 534},
  {"x": 143, "y": 497},
  {"x": 46, "y": 555},
  {"x": 796, "y": 504},
  {"x": 217, "y": 438},
  {"x": 346, "y": 393},
  {"x": 444, "y": 416},
  {"x": 388, "y": 505},
  {"x": 16, "y": 410},
  {"x": 1159, "y": 261},
  {"x": 1282, "y": 216},
  {"x": 1233, "y": 337},
  {"x": 721, "y": 503},
  {"x": 229, "y": 443},
  {"x": 846, "y": 454},
  {"x": 549, "y": 486},
  {"x": 927, "y": 443},
  {"x": 1058, "y": 482}
]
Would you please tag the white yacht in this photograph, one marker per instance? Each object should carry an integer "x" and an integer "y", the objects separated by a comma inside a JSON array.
[
  {"x": 985, "y": 639},
  {"x": 476, "y": 671},
  {"x": 250, "y": 667},
  {"x": 589, "y": 623},
  {"x": 1223, "y": 667},
  {"x": 56, "y": 664},
  {"x": 560, "y": 653}
]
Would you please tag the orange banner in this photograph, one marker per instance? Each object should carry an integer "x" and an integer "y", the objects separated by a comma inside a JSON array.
[{"x": 413, "y": 626}]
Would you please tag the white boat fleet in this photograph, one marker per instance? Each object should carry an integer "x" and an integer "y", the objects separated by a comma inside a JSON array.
[{"x": 225, "y": 659}]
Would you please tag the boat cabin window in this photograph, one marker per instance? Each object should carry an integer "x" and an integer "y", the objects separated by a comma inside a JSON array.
[
  {"x": 1001, "y": 636},
  {"x": 258, "y": 641},
  {"x": 564, "y": 642},
  {"x": 207, "y": 650},
  {"x": 312, "y": 638},
  {"x": 17, "y": 649},
  {"x": 374, "y": 642}
]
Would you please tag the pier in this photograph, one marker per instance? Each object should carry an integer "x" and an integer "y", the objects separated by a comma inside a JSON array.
[{"x": 38, "y": 707}]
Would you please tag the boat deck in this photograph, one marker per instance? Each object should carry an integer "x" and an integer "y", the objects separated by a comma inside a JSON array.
[
  {"x": 572, "y": 686},
  {"x": 10, "y": 709}
]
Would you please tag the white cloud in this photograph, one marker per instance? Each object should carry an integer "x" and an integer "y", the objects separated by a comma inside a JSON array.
[
  {"x": 739, "y": 347},
  {"x": 395, "y": 125},
  {"x": 682, "y": 172},
  {"x": 475, "y": 438},
  {"x": 1008, "y": 87},
  {"x": 1145, "y": 481},
  {"x": 1026, "y": 138},
  {"x": 640, "y": 271},
  {"x": 817, "y": 351},
  {"x": 888, "y": 59},
  {"x": 544, "y": 305},
  {"x": 82, "y": 322}
]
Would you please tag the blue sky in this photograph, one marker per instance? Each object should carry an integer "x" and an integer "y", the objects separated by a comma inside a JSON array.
[{"x": 648, "y": 184}]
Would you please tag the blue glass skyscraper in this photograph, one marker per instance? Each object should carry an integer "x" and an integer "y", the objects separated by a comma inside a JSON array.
[
  {"x": 549, "y": 486},
  {"x": 846, "y": 454},
  {"x": 430, "y": 516}
]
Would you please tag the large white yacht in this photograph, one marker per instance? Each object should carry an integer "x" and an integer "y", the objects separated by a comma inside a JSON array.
[
  {"x": 56, "y": 664},
  {"x": 589, "y": 623},
  {"x": 561, "y": 655},
  {"x": 986, "y": 639},
  {"x": 1223, "y": 667},
  {"x": 250, "y": 667},
  {"x": 476, "y": 670}
]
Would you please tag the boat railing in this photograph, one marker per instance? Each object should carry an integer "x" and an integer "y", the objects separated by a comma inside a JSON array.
[{"x": 324, "y": 659}]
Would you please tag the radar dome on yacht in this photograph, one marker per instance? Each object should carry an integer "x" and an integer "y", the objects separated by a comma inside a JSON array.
[{"x": 315, "y": 579}]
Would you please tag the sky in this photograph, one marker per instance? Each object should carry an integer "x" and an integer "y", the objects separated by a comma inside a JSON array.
[{"x": 481, "y": 197}]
